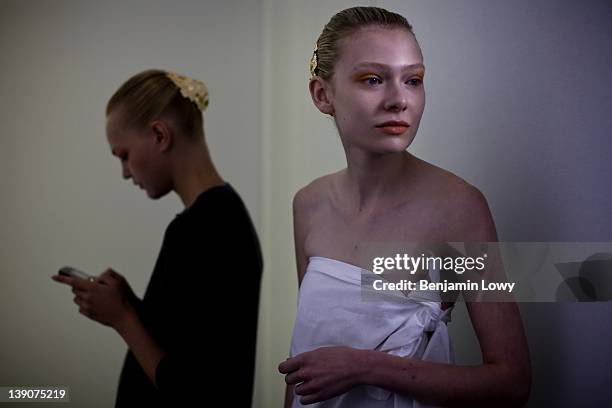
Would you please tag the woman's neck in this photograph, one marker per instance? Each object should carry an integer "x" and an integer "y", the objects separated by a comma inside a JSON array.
[
  {"x": 194, "y": 174},
  {"x": 373, "y": 179}
]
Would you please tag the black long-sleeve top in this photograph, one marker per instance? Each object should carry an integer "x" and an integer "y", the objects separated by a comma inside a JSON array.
[{"x": 201, "y": 306}]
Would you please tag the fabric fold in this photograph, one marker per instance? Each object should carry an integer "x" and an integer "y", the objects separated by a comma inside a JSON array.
[{"x": 332, "y": 312}]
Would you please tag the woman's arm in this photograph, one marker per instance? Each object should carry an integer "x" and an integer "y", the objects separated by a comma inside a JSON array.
[
  {"x": 502, "y": 380},
  {"x": 132, "y": 329},
  {"x": 299, "y": 236},
  {"x": 301, "y": 215},
  {"x": 147, "y": 351},
  {"x": 109, "y": 300}
]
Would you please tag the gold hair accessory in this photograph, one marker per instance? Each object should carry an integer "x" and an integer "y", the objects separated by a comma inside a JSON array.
[
  {"x": 314, "y": 61},
  {"x": 191, "y": 89}
]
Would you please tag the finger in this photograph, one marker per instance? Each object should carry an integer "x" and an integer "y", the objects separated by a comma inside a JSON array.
[
  {"x": 78, "y": 292},
  {"x": 306, "y": 388},
  {"x": 310, "y": 399},
  {"x": 106, "y": 279},
  {"x": 109, "y": 277},
  {"x": 295, "y": 377},
  {"x": 102, "y": 280},
  {"x": 67, "y": 280},
  {"x": 82, "y": 284},
  {"x": 84, "y": 311},
  {"x": 75, "y": 282},
  {"x": 289, "y": 365},
  {"x": 112, "y": 273},
  {"x": 82, "y": 294}
]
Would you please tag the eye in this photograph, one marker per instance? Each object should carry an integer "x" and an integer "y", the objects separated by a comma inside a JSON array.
[
  {"x": 369, "y": 79},
  {"x": 372, "y": 80},
  {"x": 415, "y": 82}
]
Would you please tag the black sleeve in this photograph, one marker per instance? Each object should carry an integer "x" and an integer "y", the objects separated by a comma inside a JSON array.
[{"x": 213, "y": 295}]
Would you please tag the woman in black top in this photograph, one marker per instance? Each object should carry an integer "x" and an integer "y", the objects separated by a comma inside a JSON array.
[{"x": 182, "y": 336}]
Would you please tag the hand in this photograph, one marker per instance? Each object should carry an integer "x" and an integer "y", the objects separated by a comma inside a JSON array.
[
  {"x": 108, "y": 299},
  {"x": 323, "y": 373}
]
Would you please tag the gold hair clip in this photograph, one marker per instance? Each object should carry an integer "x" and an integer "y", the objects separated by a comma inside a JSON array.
[
  {"x": 191, "y": 89},
  {"x": 314, "y": 61}
]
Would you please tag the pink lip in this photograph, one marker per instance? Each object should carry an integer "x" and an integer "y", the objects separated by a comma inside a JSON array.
[
  {"x": 393, "y": 127},
  {"x": 393, "y": 123}
]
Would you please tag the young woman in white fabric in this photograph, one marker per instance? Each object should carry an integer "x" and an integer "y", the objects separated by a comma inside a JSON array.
[{"x": 367, "y": 74}]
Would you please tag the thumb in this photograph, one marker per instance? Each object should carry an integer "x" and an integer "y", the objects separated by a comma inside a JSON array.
[{"x": 109, "y": 276}]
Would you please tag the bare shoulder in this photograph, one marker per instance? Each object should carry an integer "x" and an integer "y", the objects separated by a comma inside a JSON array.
[
  {"x": 313, "y": 196},
  {"x": 309, "y": 203},
  {"x": 463, "y": 206}
]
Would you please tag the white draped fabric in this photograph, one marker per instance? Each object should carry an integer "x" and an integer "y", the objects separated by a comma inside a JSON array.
[{"x": 333, "y": 311}]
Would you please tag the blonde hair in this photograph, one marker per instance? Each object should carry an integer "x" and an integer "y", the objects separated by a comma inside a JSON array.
[
  {"x": 150, "y": 95},
  {"x": 344, "y": 23}
]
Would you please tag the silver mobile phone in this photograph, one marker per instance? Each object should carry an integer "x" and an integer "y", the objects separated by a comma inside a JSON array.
[{"x": 70, "y": 271}]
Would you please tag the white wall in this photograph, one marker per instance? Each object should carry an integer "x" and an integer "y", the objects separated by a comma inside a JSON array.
[{"x": 63, "y": 198}]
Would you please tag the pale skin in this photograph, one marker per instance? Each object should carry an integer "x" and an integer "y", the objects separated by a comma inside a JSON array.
[
  {"x": 386, "y": 193},
  {"x": 159, "y": 158}
]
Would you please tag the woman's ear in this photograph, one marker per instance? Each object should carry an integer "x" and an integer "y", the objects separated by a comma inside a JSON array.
[
  {"x": 162, "y": 134},
  {"x": 320, "y": 93}
]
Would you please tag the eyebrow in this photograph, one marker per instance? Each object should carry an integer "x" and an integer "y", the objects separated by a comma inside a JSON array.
[{"x": 386, "y": 67}]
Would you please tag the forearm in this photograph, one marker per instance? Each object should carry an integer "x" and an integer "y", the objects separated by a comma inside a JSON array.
[
  {"x": 147, "y": 351},
  {"x": 445, "y": 384}
]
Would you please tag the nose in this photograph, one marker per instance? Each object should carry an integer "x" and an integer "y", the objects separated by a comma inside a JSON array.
[
  {"x": 125, "y": 171},
  {"x": 395, "y": 100}
]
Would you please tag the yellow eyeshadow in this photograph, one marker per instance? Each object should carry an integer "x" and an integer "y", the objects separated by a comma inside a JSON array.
[{"x": 366, "y": 76}]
